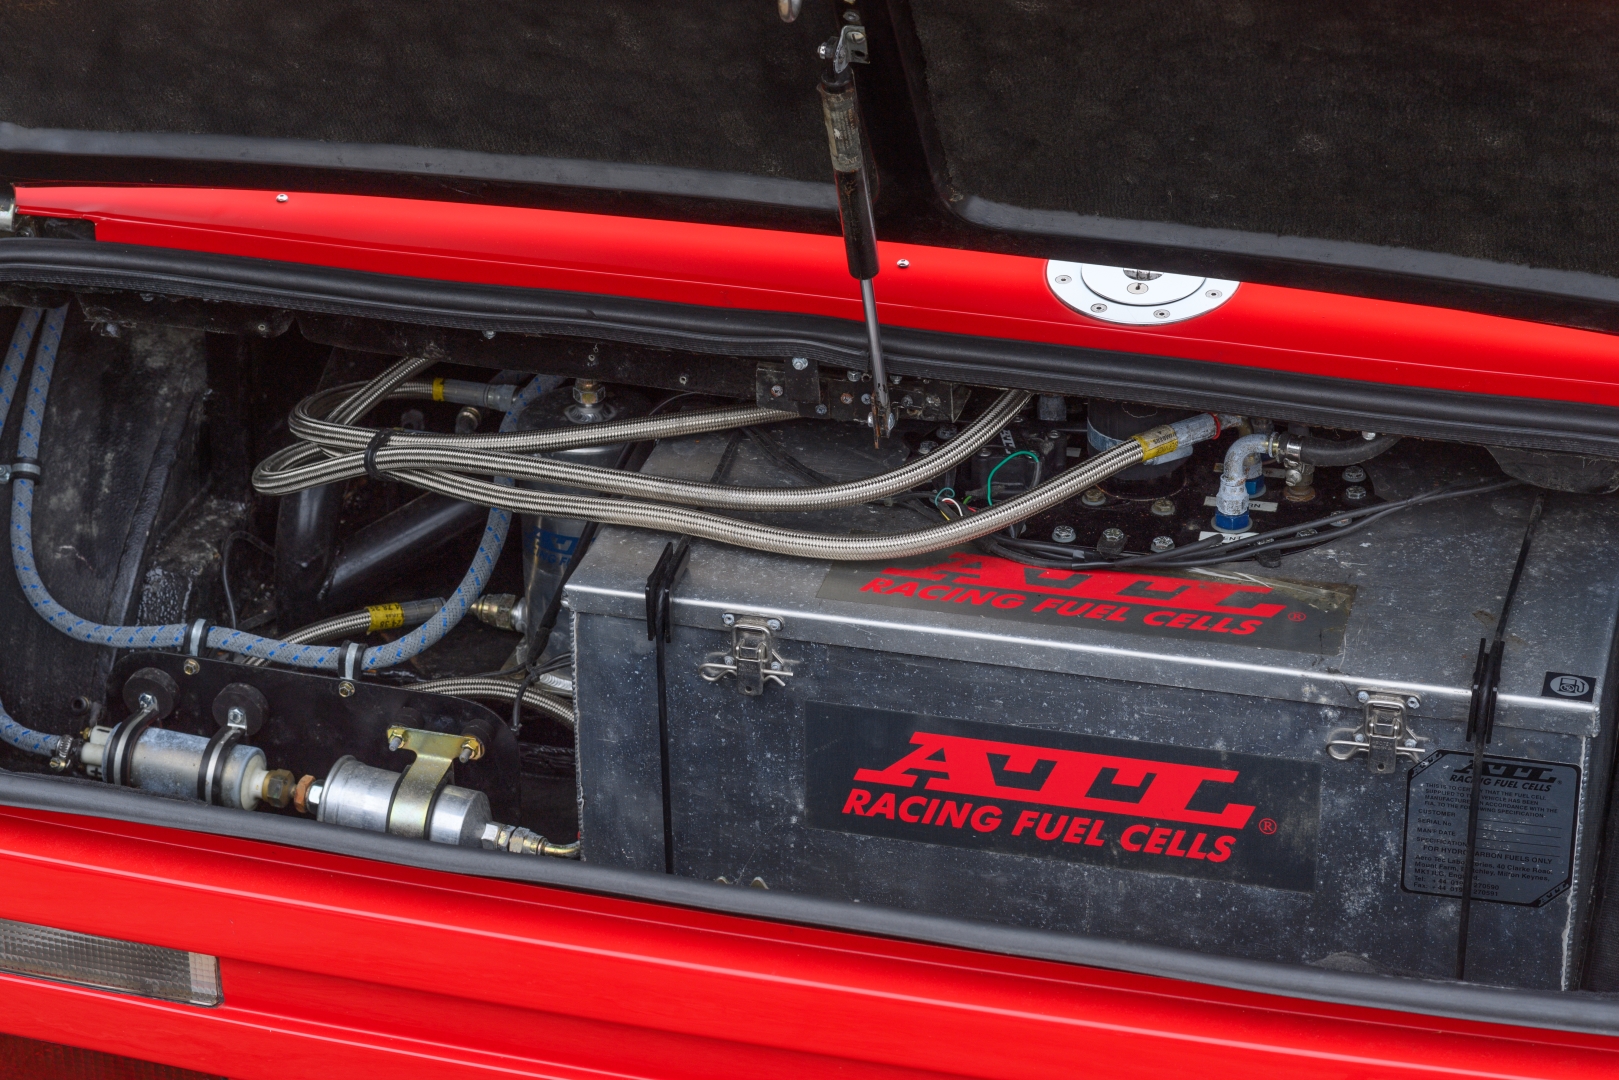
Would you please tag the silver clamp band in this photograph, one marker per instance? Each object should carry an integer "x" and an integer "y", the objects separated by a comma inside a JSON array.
[
  {"x": 198, "y": 637},
  {"x": 20, "y": 470},
  {"x": 352, "y": 652}
]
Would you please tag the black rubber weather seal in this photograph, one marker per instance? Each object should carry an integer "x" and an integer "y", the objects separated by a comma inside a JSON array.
[
  {"x": 1332, "y": 402},
  {"x": 1580, "y": 1011}
]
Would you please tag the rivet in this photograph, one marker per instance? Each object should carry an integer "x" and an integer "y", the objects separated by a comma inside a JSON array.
[
  {"x": 903, "y": 263},
  {"x": 1098, "y": 308},
  {"x": 1062, "y": 279},
  {"x": 1161, "y": 313},
  {"x": 280, "y": 198},
  {"x": 1213, "y": 294},
  {"x": 684, "y": 379},
  {"x": 728, "y": 619}
]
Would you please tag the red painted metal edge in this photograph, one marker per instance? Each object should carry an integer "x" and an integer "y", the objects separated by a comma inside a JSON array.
[
  {"x": 943, "y": 289},
  {"x": 334, "y": 966}
]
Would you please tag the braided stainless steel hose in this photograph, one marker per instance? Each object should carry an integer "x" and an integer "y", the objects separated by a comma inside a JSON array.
[{"x": 491, "y": 689}]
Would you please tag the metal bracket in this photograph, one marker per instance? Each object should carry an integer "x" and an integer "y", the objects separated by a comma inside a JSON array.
[
  {"x": 849, "y": 48},
  {"x": 436, "y": 754},
  {"x": 1384, "y": 735},
  {"x": 753, "y": 658}
]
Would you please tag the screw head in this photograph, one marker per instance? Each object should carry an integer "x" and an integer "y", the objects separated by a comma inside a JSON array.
[
  {"x": 345, "y": 689},
  {"x": 1062, "y": 279},
  {"x": 820, "y": 410},
  {"x": 1163, "y": 508},
  {"x": 1354, "y": 474},
  {"x": 1410, "y": 742},
  {"x": 728, "y": 619},
  {"x": 488, "y": 335},
  {"x": 800, "y": 363},
  {"x": 1063, "y": 534},
  {"x": 854, "y": 376},
  {"x": 865, "y": 399},
  {"x": 903, "y": 263},
  {"x": 1213, "y": 294},
  {"x": 777, "y": 391},
  {"x": 1161, "y": 313},
  {"x": 1113, "y": 536},
  {"x": 774, "y": 624},
  {"x": 846, "y": 398},
  {"x": 1162, "y": 543},
  {"x": 1413, "y": 703},
  {"x": 1363, "y": 697},
  {"x": 191, "y": 667},
  {"x": 281, "y": 198},
  {"x": 1098, "y": 308},
  {"x": 1137, "y": 287}
]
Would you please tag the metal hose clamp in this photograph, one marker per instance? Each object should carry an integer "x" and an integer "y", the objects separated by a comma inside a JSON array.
[
  {"x": 352, "y": 652},
  {"x": 197, "y": 637}
]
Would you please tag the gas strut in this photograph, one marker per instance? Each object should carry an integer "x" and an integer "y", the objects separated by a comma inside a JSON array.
[{"x": 841, "y": 109}]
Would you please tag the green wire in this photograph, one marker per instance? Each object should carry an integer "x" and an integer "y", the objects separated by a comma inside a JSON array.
[{"x": 989, "y": 483}]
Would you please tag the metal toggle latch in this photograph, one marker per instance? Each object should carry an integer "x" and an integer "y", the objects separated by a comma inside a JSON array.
[
  {"x": 1383, "y": 735},
  {"x": 753, "y": 658}
]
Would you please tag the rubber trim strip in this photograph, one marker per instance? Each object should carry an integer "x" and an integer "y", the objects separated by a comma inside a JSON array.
[
  {"x": 1345, "y": 403},
  {"x": 1573, "y": 1011}
]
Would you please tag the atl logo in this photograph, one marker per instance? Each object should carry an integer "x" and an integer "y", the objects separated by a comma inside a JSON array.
[{"x": 1570, "y": 686}]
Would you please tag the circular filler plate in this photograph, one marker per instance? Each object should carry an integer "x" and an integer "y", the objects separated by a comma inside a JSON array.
[{"x": 1116, "y": 294}]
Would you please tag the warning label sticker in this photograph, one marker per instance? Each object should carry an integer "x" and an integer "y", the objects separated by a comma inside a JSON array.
[
  {"x": 1054, "y": 795},
  {"x": 1527, "y": 816},
  {"x": 1273, "y": 614}
]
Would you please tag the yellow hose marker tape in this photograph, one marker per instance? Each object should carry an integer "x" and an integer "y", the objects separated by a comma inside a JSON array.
[
  {"x": 1157, "y": 442},
  {"x": 386, "y": 617},
  {"x": 438, "y": 395}
]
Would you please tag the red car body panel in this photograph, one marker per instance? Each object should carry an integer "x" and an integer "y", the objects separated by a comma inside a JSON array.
[
  {"x": 943, "y": 289},
  {"x": 339, "y": 966}
]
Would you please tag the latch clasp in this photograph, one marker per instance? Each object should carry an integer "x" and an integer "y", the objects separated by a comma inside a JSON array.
[
  {"x": 753, "y": 658},
  {"x": 1384, "y": 734}
]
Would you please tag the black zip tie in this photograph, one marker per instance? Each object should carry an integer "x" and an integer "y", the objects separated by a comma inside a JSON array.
[
  {"x": 378, "y": 441},
  {"x": 1480, "y": 729}
]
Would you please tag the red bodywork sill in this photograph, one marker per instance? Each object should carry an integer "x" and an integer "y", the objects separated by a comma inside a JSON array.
[
  {"x": 333, "y": 966},
  {"x": 943, "y": 289},
  {"x": 338, "y": 966}
]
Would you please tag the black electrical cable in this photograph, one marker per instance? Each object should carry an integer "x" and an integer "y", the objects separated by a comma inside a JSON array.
[
  {"x": 224, "y": 566},
  {"x": 1282, "y": 541}
]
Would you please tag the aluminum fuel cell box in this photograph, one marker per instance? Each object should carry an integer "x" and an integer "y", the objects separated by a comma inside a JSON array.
[{"x": 1266, "y": 764}]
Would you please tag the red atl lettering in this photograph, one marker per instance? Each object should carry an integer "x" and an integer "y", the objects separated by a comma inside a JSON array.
[
  {"x": 986, "y": 575},
  {"x": 962, "y": 766}
]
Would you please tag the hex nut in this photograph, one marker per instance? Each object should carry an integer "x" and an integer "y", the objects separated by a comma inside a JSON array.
[
  {"x": 1063, "y": 534},
  {"x": 345, "y": 689},
  {"x": 191, "y": 667},
  {"x": 1163, "y": 508}
]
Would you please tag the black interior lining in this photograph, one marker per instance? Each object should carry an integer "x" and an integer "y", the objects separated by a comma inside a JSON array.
[{"x": 1486, "y": 129}]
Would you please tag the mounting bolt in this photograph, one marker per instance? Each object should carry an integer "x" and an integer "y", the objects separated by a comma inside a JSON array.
[
  {"x": 1354, "y": 493},
  {"x": 774, "y": 624},
  {"x": 728, "y": 619},
  {"x": 1354, "y": 474},
  {"x": 345, "y": 689},
  {"x": 1112, "y": 542},
  {"x": 1163, "y": 508},
  {"x": 395, "y": 742},
  {"x": 1094, "y": 497},
  {"x": 191, "y": 667},
  {"x": 800, "y": 363},
  {"x": 1063, "y": 534},
  {"x": 1363, "y": 697}
]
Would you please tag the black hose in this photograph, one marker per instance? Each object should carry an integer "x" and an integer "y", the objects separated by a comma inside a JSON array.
[{"x": 1331, "y": 452}]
